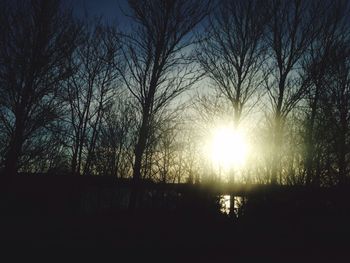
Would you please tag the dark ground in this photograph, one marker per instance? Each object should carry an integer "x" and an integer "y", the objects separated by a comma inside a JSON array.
[
  {"x": 188, "y": 234},
  {"x": 309, "y": 240}
]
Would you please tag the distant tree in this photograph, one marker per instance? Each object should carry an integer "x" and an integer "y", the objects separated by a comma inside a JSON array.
[
  {"x": 292, "y": 27},
  {"x": 45, "y": 151},
  {"x": 317, "y": 66},
  {"x": 337, "y": 108},
  {"x": 210, "y": 112},
  {"x": 36, "y": 39},
  {"x": 159, "y": 65},
  {"x": 167, "y": 145},
  {"x": 89, "y": 91},
  {"x": 191, "y": 159},
  {"x": 114, "y": 146}
]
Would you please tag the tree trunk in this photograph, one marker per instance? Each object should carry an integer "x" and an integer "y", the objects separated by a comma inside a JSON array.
[
  {"x": 12, "y": 156},
  {"x": 310, "y": 149},
  {"x": 342, "y": 148},
  {"x": 277, "y": 140},
  {"x": 139, "y": 150}
]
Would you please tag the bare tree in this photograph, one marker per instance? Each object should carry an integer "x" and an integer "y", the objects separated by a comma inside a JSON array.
[
  {"x": 317, "y": 65},
  {"x": 90, "y": 89},
  {"x": 166, "y": 144},
  {"x": 338, "y": 93},
  {"x": 232, "y": 52},
  {"x": 157, "y": 53},
  {"x": 115, "y": 144},
  {"x": 45, "y": 152},
  {"x": 35, "y": 41},
  {"x": 167, "y": 153},
  {"x": 292, "y": 28}
]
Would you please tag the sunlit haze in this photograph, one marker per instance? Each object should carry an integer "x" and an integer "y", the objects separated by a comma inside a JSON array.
[{"x": 228, "y": 148}]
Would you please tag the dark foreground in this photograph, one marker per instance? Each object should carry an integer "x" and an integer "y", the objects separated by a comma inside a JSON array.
[
  {"x": 304, "y": 240},
  {"x": 187, "y": 233}
]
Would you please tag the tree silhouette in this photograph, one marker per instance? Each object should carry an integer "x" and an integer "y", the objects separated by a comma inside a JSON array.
[
  {"x": 158, "y": 62},
  {"x": 78, "y": 94},
  {"x": 90, "y": 89},
  {"x": 317, "y": 66},
  {"x": 232, "y": 52},
  {"x": 37, "y": 38},
  {"x": 291, "y": 30}
]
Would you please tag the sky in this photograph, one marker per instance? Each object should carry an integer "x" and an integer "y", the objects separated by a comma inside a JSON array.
[{"x": 110, "y": 10}]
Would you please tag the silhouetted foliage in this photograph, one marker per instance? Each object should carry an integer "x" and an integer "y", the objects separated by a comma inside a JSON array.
[
  {"x": 97, "y": 120},
  {"x": 36, "y": 39},
  {"x": 159, "y": 67},
  {"x": 90, "y": 90}
]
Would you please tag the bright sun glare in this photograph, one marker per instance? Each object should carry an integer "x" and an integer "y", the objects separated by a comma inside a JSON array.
[{"x": 228, "y": 148}]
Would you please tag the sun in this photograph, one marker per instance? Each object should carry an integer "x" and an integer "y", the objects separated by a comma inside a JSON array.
[{"x": 228, "y": 148}]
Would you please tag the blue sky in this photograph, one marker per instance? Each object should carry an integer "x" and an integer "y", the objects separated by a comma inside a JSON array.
[{"x": 110, "y": 10}]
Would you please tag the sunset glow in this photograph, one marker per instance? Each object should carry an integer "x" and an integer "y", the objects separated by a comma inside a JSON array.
[{"x": 228, "y": 148}]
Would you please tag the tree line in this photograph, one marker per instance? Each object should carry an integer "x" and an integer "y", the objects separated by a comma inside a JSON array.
[{"x": 80, "y": 96}]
